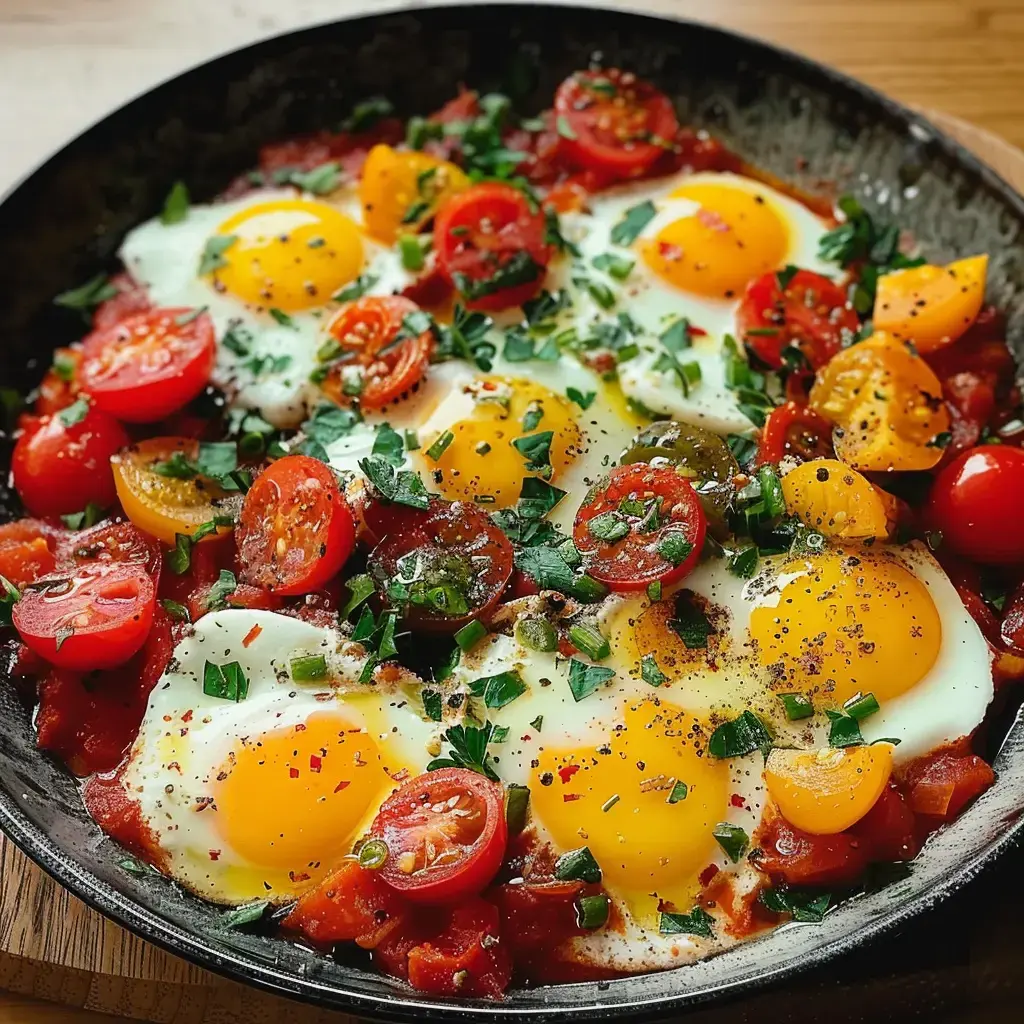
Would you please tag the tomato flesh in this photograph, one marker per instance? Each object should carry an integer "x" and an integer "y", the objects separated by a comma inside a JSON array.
[
  {"x": 295, "y": 531},
  {"x": 110, "y": 544},
  {"x": 613, "y": 122},
  {"x": 148, "y": 366},
  {"x": 810, "y": 312},
  {"x": 94, "y": 618},
  {"x": 59, "y": 467},
  {"x": 26, "y": 551},
  {"x": 787, "y": 854},
  {"x": 665, "y": 526},
  {"x": 796, "y": 431},
  {"x": 456, "y": 561},
  {"x": 373, "y": 366},
  {"x": 446, "y": 834},
  {"x": 491, "y": 246},
  {"x": 940, "y": 785}
]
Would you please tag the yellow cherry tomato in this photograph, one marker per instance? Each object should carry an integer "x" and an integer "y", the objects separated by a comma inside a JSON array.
[
  {"x": 838, "y": 501},
  {"x": 886, "y": 405},
  {"x": 160, "y": 504},
  {"x": 931, "y": 306},
  {"x": 401, "y": 191},
  {"x": 826, "y": 791}
]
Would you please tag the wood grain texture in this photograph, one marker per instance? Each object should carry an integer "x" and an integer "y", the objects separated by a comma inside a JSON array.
[{"x": 65, "y": 63}]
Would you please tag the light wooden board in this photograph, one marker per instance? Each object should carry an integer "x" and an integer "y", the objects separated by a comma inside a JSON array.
[{"x": 66, "y": 63}]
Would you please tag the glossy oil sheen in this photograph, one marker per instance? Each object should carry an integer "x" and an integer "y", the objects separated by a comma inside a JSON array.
[{"x": 808, "y": 125}]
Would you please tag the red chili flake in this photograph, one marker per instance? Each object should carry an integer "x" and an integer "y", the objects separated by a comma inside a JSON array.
[
  {"x": 567, "y": 798},
  {"x": 175, "y": 766},
  {"x": 358, "y": 760},
  {"x": 314, "y": 764},
  {"x": 698, "y": 332},
  {"x": 399, "y": 776},
  {"x": 342, "y": 785},
  {"x": 707, "y": 874},
  {"x": 668, "y": 251},
  {"x": 167, "y": 718},
  {"x": 567, "y": 772},
  {"x": 293, "y": 773},
  {"x": 525, "y": 738},
  {"x": 301, "y": 877},
  {"x": 301, "y": 727},
  {"x": 737, "y": 800},
  {"x": 712, "y": 220},
  {"x": 251, "y": 635},
  {"x": 215, "y": 855},
  {"x": 187, "y": 717},
  {"x": 202, "y": 802},
  {"x": 323, "y": 696}
]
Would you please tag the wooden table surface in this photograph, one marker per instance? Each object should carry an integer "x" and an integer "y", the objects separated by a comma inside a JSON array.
[{"x": 65, "y": 63}]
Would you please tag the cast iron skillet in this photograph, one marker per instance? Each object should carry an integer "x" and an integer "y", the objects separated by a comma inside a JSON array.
[{"x": 790, "y": 116}]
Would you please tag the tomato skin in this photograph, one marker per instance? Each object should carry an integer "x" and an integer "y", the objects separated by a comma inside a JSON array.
[
  {"x": 295, "y": 530},
  {"x": 466, "y": 959},
  {"x": 634, "y": 561},
  {"x": 811, "y": 312},
  {"x": 609, "y": 133},
  {"x": 59, "y": 469},
  {"x": 243, "y": 596},
  {"x": 889, "y": 828},
  {"x": 110, "y": 610},
  {"x": 149, "y": 365},
  {"x": 796, "y": 431},
  {"x": 27, "y": 550},
  {"x": 448, "y": 534},
  {"x": 798, "y": 858},
  {"x": 407, "y": 818},
  {"x": 941, "y": 784},
  {"x": 972, "y": 502},
  {"x": 107, "y": 544},
  {"x": 537, "y": 916},
  {"x": 483, "y": 229},
  {"x": 56, "y": 393}
]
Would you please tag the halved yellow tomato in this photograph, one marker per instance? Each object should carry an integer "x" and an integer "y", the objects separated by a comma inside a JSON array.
[
  {"x": 160, "y": 504},
  {"x": 838, "y": 501},
  {"x": 886, "y": 404},
  {"x": 826, "y": 791},
  {"x": 403, "y": 190},
  {"x": 931, "y": 306}
]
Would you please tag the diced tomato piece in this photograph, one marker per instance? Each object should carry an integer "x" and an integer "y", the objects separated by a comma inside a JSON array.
[
  {"x": 120, "y": 816},
  {"x": 26, "y": 550},
  {"x": 799, "y": 858},
  {"x": 537, "y": 916},
  {"x": 889, "y": 829},
  {"x": 940, "y": 785}
]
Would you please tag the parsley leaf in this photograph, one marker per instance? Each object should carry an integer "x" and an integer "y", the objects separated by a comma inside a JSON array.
[
  {"x": 635, "y": 220},
  {"x": 404, "y": 487},
  {"x": 176, "y": 204},
  {"x": 585, "y": 679},
  {"x": 87, "y": 296},
  {"x": 468, "y": 750}
]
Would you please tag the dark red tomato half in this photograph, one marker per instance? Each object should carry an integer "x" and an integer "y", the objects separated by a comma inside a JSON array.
[
  {"x": 797, "y": 431},
  {"x": 640, "y": 525},
  {"x": 490, "y": 245},
  {"x": 810, "y": 312},
  {"x": 150, "y": 365},
  {"x": 974, "y": 502},
  {"x": 613, "y": 122},
  {"x": 61, "y": 463},
  {"x": 89, "y": 619},
  {"x": 446, "y": 834},
  {"x": 444, "y": 565},
  {"x": 295, "y": 530}
]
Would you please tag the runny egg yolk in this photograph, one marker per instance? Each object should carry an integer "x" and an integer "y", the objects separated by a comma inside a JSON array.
[
  {"x": 838, "y": 624},
  {"x": 288, "y": 254},
  {"x": 482, "y": 460},
  {"x": 732, "y": 237},
  {"x": 289, "y": 802},
  {"x": 622, "y": 801}
]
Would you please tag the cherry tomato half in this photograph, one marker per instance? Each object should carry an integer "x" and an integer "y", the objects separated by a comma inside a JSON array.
[
  {"x": 61, "y": 463},
  {"x": 445, "y": 832},
  {"x": 795, "y": 430},
  {"x": 974, "y": 503},
  {"x": 810, "y": 312},
  {"x": 490, "y": 245},
  {"x": 295, "y": 531},
  {"x": 373, "y": 367},
  {"x": 111, "y": 544},
  {"x": 462, "y": 563},
  {"x": 641, "y": 524},
  {"x": 613, "y": 122},
  {"x": 150, "y": 365},
  {"x": 90, "y": 619}
]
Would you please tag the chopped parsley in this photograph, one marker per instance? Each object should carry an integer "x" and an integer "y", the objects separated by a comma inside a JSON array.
[
  {"x": 635, "y": 220},
  {"x": 176, "y": 204},
  {"x": 468, "y": 750},
  {"x": 742, "y": 735},
  {"x": 87, "y": 296},
  {"x": 732, "y": 839},
  {"x": 228, "y": 682},
  {"x": 698, "y": 922},
  {"x": 212, "y": 257},
  {"x": 498, "y": 690},
  {"x": 586, "y": 679}
]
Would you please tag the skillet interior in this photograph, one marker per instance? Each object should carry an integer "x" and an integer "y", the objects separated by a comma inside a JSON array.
[{"x": 788, "y": 115}]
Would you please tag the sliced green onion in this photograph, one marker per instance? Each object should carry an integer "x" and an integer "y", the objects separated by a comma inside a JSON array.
[
  {"x": 411, "y": 252},
  {"x": 536, "y": 634},
  {"x": 592, "y": 911},
  {"x": 372, "y": 854},
  {"x": 470, "y": 635},
  {"x": 861, "y": 707},
  {"x": 517, "y": 801},
  {"x": 308, "y": 668},
  {"x": 797, "y": 706},
  {"x": 438, "y": 448},
  {"x": 578, "y": 866},
  {"x": 590, "y": 641}
]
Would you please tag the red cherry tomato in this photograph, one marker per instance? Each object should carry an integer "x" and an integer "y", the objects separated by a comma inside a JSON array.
[
  {"x": 61, "y": 463},
  {"x": 131, "y": 298},
  {"x": 811, "y": 312},
  {"x": 58, "y": 390},
  {"x": 664, "y": 523},
  {"x": 797, "y": 431},
  {"x": 366, "y": 330},
  {"x": 490, "y": 245},
  {"x": 109, "y": 544},
  {"x": 149, "y": 365},
  {"x": 613, "y": 122},
  {"x": 94, "y": 618},
  {"x": 973, "y": 502},
  {"x": 295, "y": 531},
  {"x": 445, "y": 833},
  {"x": 464, "y": 562}
]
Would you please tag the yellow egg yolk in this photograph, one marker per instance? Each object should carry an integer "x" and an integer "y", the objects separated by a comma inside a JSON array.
[
  {"x": 734, "y": 236},
  {"x": 287, "y": 254},
  {"x": 845, "y": 622},
  {"x": 622, "y": 801},
  {"x": 515, "y": 429},
  {"x": 289, "y": 802}
]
